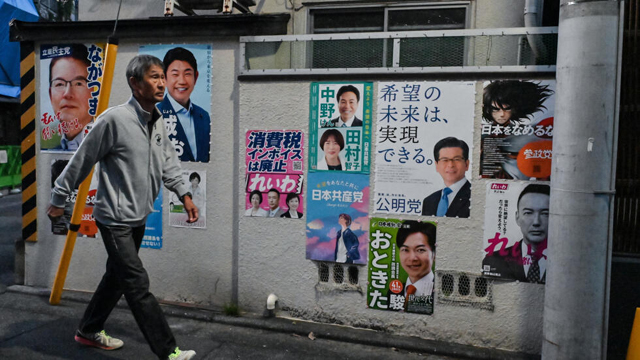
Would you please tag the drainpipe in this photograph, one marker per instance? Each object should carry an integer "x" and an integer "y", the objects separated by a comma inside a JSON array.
[
  {"x": 576, "y": 303},
  {"x": 532, "y": 9}
]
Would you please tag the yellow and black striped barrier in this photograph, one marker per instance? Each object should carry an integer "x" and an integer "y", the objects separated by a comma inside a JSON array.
[{"x": 28, "y": 145}]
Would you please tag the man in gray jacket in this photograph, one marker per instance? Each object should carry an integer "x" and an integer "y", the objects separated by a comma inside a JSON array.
[{"x": 135, "y": 157}]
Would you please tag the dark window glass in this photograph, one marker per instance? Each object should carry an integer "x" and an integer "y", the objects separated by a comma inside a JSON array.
[
  {"x": 348, "y": 20},
  {"x": 426, "y": 19}
]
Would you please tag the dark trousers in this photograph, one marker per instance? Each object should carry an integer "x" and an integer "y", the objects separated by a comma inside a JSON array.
[{"x": 126, "y": 275}]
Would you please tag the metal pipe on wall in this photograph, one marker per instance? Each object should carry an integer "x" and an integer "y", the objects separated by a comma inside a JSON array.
[{"x": 584, "y": 149}]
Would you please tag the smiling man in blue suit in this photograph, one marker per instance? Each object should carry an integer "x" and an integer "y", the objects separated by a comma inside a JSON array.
[{"x": 189, "y": 125}]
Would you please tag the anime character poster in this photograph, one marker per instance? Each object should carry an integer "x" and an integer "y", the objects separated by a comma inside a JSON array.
[
  {"x": 517, "y": 129},
  {"x": 338, "y": 219},
  {"x": 274, "y": 173},
  {"x": 198, "y": 188},
  {"x": 186, "y": 104},
  {"x": 88, "y": 227},
  {"x": 340, "y": 126},
  {"x": 401, "y": 265},
  {"x": 153, "y": 228},
  {"x": 69, "y": 101},
  {"x": 413, "y": 120},
  {"x": 516, "y": 226}
]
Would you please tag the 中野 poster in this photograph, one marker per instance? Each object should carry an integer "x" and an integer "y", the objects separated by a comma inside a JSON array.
[
  {"x": 88, "y": 227},
  {"x": 517, "y": 129},
  {"x": 186, "y": 103},
  {"x": 516, "y": 225},
  {"x": 69, "y": 103},
  {"x": 197, "y": 180},
  {"x": 424, "y": 139},
  {"x": 401, "y": 265},
  {"x": 340, "y": 126},
  {"x": 337, "y": 217},
  {"x": 274, "y": 175},
  {"x": 153, "y": 228}
]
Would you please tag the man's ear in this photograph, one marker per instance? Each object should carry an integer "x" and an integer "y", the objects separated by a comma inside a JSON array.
[
  {"x": 133, "y": 82},
  {"x": 195, "y": 78}
]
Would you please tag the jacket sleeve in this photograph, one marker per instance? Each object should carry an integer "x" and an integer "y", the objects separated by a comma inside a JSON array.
[
  {"x": 93, "y": 148},
  {"x": 171, "y": 170}
]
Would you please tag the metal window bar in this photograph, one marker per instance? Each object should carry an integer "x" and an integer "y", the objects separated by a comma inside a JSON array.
[{"x": 433, "y": 51}]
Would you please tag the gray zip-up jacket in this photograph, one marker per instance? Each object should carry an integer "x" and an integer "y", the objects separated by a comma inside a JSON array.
[{"x": 132, "y": 165}]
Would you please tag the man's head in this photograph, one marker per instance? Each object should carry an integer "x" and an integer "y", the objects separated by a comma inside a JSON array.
[
  {"x": 273, "y": 198},
  {"x": 181, "y": 69},
  {"x": 506, "y": 101},
  {"x": 194, "y": 178},
  {"x": 452, "y": 159},
  {"x": 348, "y": 98},
  {"x": 417, "y": 244},
  {"x": 145, "y": 75},
  {"x": 533, "y": 213},
  {"x": 68, "y": 90},
  {"x": 344, "y": 219}
]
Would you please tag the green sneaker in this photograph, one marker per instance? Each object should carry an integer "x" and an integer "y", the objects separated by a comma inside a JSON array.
[
  {"x": 182, "y": 355},
  {"x": 100, "y": 340}
]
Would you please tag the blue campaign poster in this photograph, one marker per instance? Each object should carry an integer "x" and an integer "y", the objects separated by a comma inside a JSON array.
[{"x": 153, "y": 230}]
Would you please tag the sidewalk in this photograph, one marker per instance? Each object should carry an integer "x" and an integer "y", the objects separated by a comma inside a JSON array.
[{"x": 34, "y": 329}]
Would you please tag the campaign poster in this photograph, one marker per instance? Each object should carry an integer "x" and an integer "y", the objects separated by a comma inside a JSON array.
[
  {"x": 338, "y": 219},
  {"x": 401, "y": 265},
  {"x": 413, "y": 118},
  {"x": 153, "y": 228},
  {"x": 274, "y": 175},
  {"x": 187, "y": 100},
  {"x": 88, "y": 227},
  {"x": 517, "y": 129},
  {"x": 516, "y": 225},
  {"x": 340, "y": 126},
  {"x": 197, "y": 180},
  {"x": 69, "y": 101}
]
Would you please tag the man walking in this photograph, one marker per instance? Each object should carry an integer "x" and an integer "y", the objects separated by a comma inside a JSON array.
[{"x": 135, "y": 157}]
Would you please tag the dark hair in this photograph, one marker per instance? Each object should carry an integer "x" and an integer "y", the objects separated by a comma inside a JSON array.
[
  {"x": 535, "y": 189},
  {"x": 346, "y": 217},
  {"x": 180, "y": 54},
  {"x": 291, "y": 196},
  {"x": 194, "y": 175},
  {"x": 348, "y": 88},
  {"x": 274, "y": 190},
  {"x": 336, "y": 135},
  {"x": 451, "y": 142},
  {"x": 524, "y": 97},
  {"x": 256, "y": 192},
  {"x": 139, "y": 65},
  {"x": 411, "y": 227},
  {"x": 76, "y": 51}
]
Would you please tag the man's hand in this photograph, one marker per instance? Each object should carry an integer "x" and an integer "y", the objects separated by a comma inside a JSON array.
[
  {"x": 55, "y": 212},
  {"x": 192, "y": 210}
]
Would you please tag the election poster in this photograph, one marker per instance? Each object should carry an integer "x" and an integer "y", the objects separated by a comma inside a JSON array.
[
  {"x": 274, "y": 175},
  {"x": 69, "y": 103},
  {"x": 337, "y": 217},
  {"x": 153, "y": 228},
  {"x": 413, "y": 120},
  {"x": 178, "y": 217},
  {"x": 517, "y": 129},
  {"x": 187, "y": 99},
  {"x": 401, "y": 265},
  {"x": 88, "y": 227},
  {"x": 516, "y": 225},
  {"x": 340, "y": 126}
]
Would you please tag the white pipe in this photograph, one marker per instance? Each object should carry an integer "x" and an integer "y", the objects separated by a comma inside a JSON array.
[{"x": 271, "y": 301}]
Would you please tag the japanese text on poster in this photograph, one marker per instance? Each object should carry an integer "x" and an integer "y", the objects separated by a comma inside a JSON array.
[{"x": 153, "y": 228}]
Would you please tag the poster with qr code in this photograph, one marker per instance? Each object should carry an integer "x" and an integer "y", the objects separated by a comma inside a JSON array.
[{"x": 274, "y": 175}]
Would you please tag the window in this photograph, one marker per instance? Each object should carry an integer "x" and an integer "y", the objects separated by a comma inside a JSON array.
[{"x": 414, "y": 52}]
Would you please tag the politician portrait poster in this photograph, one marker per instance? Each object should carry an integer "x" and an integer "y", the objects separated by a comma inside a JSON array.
[
  {"x": 153, "y": 227},
  {"x": 413, "y": 119},
  {"x": 401, "y": 265},
  {"x": 274, "y": 177},
  {"x": 517, "y": 129},
  {"x": 340, "y": 115},
  {"x": 70, "y": 80},
  {"x": 197, "y": 183},
  {"x": 187, "y": 100},
  {"x": 337, "y": 217},
  {"x": 516, "y": 226}
]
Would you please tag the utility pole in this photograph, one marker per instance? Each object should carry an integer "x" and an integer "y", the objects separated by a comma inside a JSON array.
[{"x": 576, "y": 302}]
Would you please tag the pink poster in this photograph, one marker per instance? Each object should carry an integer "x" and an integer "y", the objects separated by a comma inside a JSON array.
[{"x": 274, "y": 173}]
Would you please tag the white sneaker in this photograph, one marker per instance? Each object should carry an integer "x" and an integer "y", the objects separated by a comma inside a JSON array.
[
  {"x": 100, "y": 340},
  {"x": 182, "y": 355}
]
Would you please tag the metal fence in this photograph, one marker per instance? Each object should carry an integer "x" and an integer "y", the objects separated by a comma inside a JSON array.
[{"x": 455, "y": 51}]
